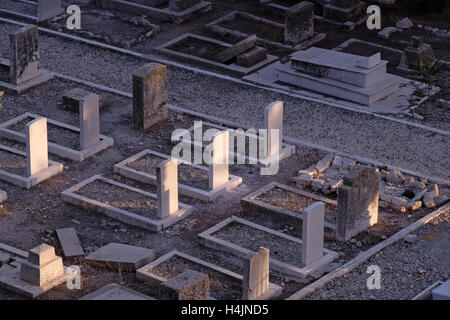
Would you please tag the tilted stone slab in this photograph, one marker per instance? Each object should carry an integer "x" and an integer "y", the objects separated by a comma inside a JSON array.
[
  {"x": 122, "y": 256},
  {"x": 124, "y": 216},
  {"x": 207, "y": 195},
  {"x": 297, "y": 271},
  {"x": 70, "y": 242},
  {"x": 57, "y": 149}
]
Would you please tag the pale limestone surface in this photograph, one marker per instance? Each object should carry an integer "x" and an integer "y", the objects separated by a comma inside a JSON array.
[
  {"x": 37, "y": 146},
  {"x": 167, "y": 187}
]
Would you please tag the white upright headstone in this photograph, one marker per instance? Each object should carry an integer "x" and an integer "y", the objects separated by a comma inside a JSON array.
[
  {"x": 37, "y": 148},
  {"x": 256, "y": 275},
  {"x": 167, "y": 187},
  {"x": 218, "y": 170},
  {"x": 89, "y": 121},
  {"x": 273, "y": 116},
  {"x": 313, "y": 232}
]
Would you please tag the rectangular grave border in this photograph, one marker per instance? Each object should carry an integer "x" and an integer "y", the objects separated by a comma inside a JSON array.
[
  {"x": 250, "y": 201},
  {"x": 157, "y": 13},
  {"x": 27, "y": 182},
  {"x": 152, "y": 279},
  {"x": 124, "y": 216},
  {"x": 59, "y": 150},
  {"x": 287, "y": 150},
  {"x": 183, "y": 189},
  {"x": 16, "y": 89},
  {"x": 213, "y": 242},
  {"x": 234, "y": 68},
  {"x": 217, "y": 28}
]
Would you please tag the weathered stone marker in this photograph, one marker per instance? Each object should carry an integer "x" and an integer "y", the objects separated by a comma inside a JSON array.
[
  {"x": 181, "y": 5},
  {"x": 218, "y": 169},
  {"x": 416, "y": 54},
  {"x": 69, "y": 242},
  {"x": 89, "y": 121},
  {"x": 357, "y": 207},
  {"x": 299, "y": 22},
  {"x": 150, "y": 95},
  {"x": 256, "y": 275},
  {"x": 48, "y": 9},
  {"x": 37, "y": 146},
  {"x": 313, "y": 233},
  {"x": 42, "y": 266},
  {"x": 188, "y": 285},
  {"x": 24, "y": 51},
  {"x": 273, "y": 117},
  {"x": 167, "y": 187}
]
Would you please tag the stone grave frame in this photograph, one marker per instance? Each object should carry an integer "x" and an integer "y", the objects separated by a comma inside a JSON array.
[
  {"x": 43, "y": 13},
  {"x": 286, "y": 151},
  {"x": 124, "y": 216},
  {"x": 53, "y": 169},
  {"x": 59, "y": 150},
  {"x": 213, "y": 242},
  {"x": 165, "y": 48},
  {"x": 164, "y": 14},
  {"x": 143, "y": 274},
  {"x": 185, "y": 190},
  {"x": 250, "y": 202},
  {"x": 217, "y": 28}
]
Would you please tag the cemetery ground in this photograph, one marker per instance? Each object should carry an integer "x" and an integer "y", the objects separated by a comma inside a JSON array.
[{"x": 30, "y": 217}]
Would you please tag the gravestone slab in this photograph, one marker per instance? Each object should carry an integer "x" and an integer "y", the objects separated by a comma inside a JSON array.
[
  {"x": 116, "y": 292},
  {"x": 89, "y": 121},
  {"x": 24, "y": 55},
  {"x": 69, "y": 242},
  {"x": 218, "y": 169},
  {"x": 273, "y": 117},
  {"x": 150, "y": 95},
  {"x": 37, "y": 146},
  {"x": 122, "y": 256},
  {"x": 313, "y": 232},
  {"x": 188, "y": 285},
  {"x": 256, "y": 275},
  {"x": 299, "y": 22},
  {"x": 167, "y": 187},
  {"x": 73, "y": 97},
  {"x": 357, "y": 208}
]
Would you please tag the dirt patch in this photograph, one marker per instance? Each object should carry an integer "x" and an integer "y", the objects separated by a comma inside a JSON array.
[
  {"x": 13, "y": 163},
  {"x": 120, "y": 198}
]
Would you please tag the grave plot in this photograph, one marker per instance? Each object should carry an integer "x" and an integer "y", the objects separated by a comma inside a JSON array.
[
  {"x": 241, "y": 238},
  {"x": 270, "y": 33},
  {"x": 248, "y": 142},
  {"x": 397, "y": 191},
  {"x": 64, "y": 140},
  {"x": 112, "y": 28},
  {"x": 34, "y": 11},
  {"x": 122, "y": 202},
  {"x": 209, "y": 52},
  {"x": 287, "y": 203},
  {"x": 224, "y": 284},
  {"x": 22, "y": 71},
  {"x": 193, "y": 180},
  {"x": 164, "y": 10}
]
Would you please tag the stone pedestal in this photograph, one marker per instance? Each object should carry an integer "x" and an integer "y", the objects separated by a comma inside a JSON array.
[
  {"x": 188, "y": 285},
  {"x": 24, "y": 51},
  {"x": 299, "y": 22},
  {"x": 150, "y": 95},
  {"x": 357, "y": 208}
]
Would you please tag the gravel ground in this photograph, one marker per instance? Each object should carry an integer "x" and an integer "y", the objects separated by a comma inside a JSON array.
[
  {"x": 250, "y": 238},
  {"x": 403, "y": 276},
  {"x": 13, "y": 163},
  {"x": 19, "y": 7}
]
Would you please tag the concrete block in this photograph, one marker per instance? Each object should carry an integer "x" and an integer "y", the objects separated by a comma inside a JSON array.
[
  {"x": 123, "y": 256},
  {"x": 313, "y": 233},
  {"x": 150, "y": 95},
  {"x": 37, "y": 146},
  {"x": 69, "y": 242},
  {"x": 256, "y": 275},
  {"x": 236, "y": 49},
  {"x": 251, "y": 57},
  {"x": 167, "y": 188},
  {"x": 188, "y": 285}
]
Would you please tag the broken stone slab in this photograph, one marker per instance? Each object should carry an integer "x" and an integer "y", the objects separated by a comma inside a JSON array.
[
  {"x": 395, "y": 177},
  {"x": 414, "y": 205},
  {"x": 405, "y": 23},
  {"x": 122, "y": 256},
  {"x": 387, "y": 32},
  {"x": 236, "y": 49},
  {"x": 251, "y": 57},
  {"x": 304, "y": 180},
  {"x": 116, "y": 292},
  {"x": 69, "y": 242},
  {"x": 188, "y": 285},
  {"x": 441, "y": 199},
  {"x": 429, "y": 202},
  {"x": 317, "y": 183},
  {"x": 324, "y": 164},
  {"x": 393, "y": 199}
]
